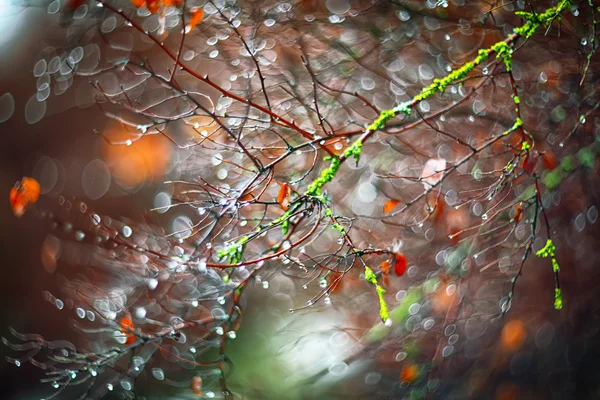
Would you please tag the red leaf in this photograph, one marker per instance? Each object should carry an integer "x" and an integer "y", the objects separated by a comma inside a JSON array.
[{"x": 400, "y": 265}]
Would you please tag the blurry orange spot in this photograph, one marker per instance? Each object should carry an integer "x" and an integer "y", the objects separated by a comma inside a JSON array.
[
  {"x": 138, "y": 3},
  {"x": 506, "y": 392},
  {"x": 390, "y": 205},
  {"x": 513, "y": 335},
  {"x": 196, "y": 18},
  {"x": 197, "y": 385},
  {"x": 435, "y": 207},
  {"x": 400, "y": 264},
  {"x": 23, "y": 194},
  {"x": 549, "y": 160},
  {"x": 174, "y": 3},
  {"x": 127, "y": 328},
  {"x": 50, "y": 253},
  {"x": 145, "y": 160},
  {"x": 443, "y": 298},
  {"x": 456, "y": 220},
  {"x": 283, "y": 197},
  {"x": 335, "y": 279},
  {"x": 409, "y": 373}
]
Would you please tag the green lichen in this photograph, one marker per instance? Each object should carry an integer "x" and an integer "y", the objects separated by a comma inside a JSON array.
[
  {"x": 379, "y": 123},
  {"x": 518, "y": 123},
  {"x": 354, "y": 150},
  {"x": 327, "y": 175},
  {"x": 535, "y": 20},
  {"x": 547, "y": 251},
  {"x": 371, "y": 277},
  {"x": 558, "y": 300},
  {"x": 504, "y": 51}
]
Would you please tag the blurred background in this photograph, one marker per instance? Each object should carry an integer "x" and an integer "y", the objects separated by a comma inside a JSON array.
[{"x": 277, "y": 355}]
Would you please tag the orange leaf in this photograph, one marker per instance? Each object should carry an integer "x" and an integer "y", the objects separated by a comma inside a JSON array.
[
  {"x": 283, "y": 197},
  {"x": 197, "y": 16},
  {"x": 400, "y": 265},
  {"x": 390, "y": 205},
  {"x": 127, "y": 328},
  {"x": 518, "y": 213},
  {"x": 23, "y": 194},
  {"x": 153, "y": 6},
  {"x": 31, "y": 188}
]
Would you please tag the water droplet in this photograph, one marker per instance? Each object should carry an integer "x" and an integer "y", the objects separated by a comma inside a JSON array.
[
  {"x": 126, "y": 384},
  {"x": 231, "y": 334},
  {"x": 158, "y": 374},
  {"x": 126, "y": 231},
  {"x": 447, "y": 351},
  {"x": 265, "y": 284}
]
